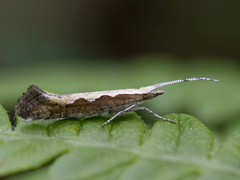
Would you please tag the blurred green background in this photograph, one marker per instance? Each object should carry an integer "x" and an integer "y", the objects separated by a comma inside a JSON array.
[{"x": 76, "y": 46}]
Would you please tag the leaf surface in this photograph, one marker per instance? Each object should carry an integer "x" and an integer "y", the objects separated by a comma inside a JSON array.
[
  {"x": 123, "y": 149},
  {"x": 5, "y": 124}
]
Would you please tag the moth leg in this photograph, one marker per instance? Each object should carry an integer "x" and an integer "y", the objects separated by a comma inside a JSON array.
[
  {"x": 119, "y": 113},
  {"x": 165, "y": 119}
]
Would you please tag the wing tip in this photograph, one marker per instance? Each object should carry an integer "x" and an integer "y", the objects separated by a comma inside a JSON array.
[{"x": 30, "y": 99}]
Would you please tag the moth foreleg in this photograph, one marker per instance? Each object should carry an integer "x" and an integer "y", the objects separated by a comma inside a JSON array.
[
  {"x": 119, "y": 113},
  {"x": 165, "y": 119}
]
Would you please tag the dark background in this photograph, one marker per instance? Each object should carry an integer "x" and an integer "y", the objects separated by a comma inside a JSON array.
[
  {"x": 120, "y": 28},
  {"x": 75, "y": 46}
]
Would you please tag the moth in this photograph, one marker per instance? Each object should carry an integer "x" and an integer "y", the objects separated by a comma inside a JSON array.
[{"x": 37, "y": 104}]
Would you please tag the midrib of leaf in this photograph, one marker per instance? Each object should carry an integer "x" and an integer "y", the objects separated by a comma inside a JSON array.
[
  {"x": 141, "y": 153},
  {"x": 124, "y": 165},
  {"x": 209, "y": 164}
]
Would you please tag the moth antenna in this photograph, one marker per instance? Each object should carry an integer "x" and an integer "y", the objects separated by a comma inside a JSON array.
[
  {"x": 155, "y": 86},
  {"x": 182, "y": 80}
]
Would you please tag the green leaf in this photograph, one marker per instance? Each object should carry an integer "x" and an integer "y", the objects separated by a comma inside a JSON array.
[
  {"x": 26, "y": 153},
  {"x": 189, "y": 138},
  {"x": 232, "y": 144},
  {"x": 123, "y": 149},
  {"x": 5, "y": 124}
]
